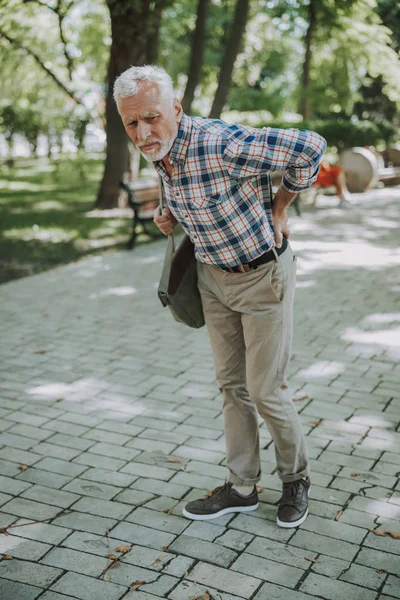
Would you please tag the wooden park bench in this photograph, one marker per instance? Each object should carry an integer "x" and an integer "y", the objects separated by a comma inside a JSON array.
[{"x": 143, "y": 199}]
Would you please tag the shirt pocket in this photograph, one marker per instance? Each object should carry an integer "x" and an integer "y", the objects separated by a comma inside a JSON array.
[{"x": 213, "y": 198}]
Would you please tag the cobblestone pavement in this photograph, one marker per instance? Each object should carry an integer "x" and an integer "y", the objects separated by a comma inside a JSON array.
[{"x": 110, "y": 420}]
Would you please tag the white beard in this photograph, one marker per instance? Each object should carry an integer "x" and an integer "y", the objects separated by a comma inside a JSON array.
[{"x": 164, "y": 148}]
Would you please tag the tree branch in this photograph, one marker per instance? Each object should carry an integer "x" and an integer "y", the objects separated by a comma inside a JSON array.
[
  {"x": 60, "y": 14},
  {"x": 54, "y": 77}
]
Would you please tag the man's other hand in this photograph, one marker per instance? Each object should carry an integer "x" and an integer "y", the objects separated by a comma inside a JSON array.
[
  {"x": 281, "y": 227},
  {"x": 165, "y": 222}
]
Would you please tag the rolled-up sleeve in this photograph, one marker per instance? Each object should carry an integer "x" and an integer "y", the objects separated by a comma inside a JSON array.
[{"x": 296, "y": 152}]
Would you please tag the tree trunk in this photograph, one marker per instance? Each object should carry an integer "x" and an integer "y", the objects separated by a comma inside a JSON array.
[
  {"x": 228, "y": 62},
  {"x": 312, "y": 21},
  {"x": 134, "y": 30},
  {"x": 196, "y": 55}
]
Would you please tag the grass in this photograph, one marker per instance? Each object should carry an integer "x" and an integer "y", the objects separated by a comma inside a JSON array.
[{"x": 47, "y": 217}]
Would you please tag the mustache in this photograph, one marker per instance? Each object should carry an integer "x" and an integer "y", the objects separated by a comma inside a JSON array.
[{"x": 148, "y": 142}]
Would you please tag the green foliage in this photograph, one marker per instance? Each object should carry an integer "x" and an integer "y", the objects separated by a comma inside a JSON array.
[{"x": 343, "y": 133}]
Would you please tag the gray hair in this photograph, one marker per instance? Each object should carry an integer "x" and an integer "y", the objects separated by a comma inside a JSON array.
[{"x": 128, "y": 83}]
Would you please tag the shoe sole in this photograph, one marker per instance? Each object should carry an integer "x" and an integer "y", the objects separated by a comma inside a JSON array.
[
  {"x": 293, "y": 523},
  {"x": 222, "y": 512}
]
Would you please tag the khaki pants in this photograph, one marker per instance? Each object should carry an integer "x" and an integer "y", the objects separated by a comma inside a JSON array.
[{"x": 249, "y": 317}]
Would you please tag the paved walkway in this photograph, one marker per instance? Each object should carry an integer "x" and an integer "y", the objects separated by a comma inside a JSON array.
[{"x": 110, "y": 420}]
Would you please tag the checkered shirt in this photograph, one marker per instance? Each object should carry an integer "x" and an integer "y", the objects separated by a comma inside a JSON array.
[{"x": 220, "y": 190}]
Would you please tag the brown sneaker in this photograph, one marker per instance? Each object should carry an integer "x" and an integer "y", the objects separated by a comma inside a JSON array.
[
  {"x": 221, "y": 501},
  {"x": 293, "y": 506}
]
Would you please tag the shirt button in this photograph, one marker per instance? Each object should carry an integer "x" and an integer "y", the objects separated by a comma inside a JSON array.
[
  {"x": 178, "y": 194},
  {"x": 195, "y": 237},
  {"x": 185, "y": 216}
]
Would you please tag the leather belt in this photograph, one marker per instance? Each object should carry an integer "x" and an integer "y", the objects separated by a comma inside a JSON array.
[{"x": 260, "y": 260}]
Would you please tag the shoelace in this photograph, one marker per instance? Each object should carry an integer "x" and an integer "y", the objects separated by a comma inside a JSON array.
[
  {"x": 291, "y": 491},
  {"x": 218, "y": 491}
]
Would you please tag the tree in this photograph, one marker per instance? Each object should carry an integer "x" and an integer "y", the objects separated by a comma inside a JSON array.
[
  {"x": 135, "y": 26},
  {"x": 228, "y": 61},
  {"x": 196, "y": 55}
]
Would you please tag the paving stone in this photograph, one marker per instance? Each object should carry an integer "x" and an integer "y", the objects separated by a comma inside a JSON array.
[
  {"x": 44, "y": 478},
  {"x": 325, "y": 545},
  {"x": 27, "y": 572},
  {"x": 8, "y": 469},
  {"x": 335, "y": 529},
  {"x": 282, "y": 553},
  {"x": 72, "y": 560},
  {"x": 204, "y": 531},
  {"x": 363, "y": 577},
  {"x": 27, "y": 431},
  {"x": 173, "y": 437},
  {"x": 268, "y": 570},
  {"x": 379, "y": 560},
  {"x": 102, "y": 508},
  {"x": 12, "y": 486},
  {"x": 50, "y": 496},
  {"x": 236, "y": 540},
  {"x": 101, "y": 545},
  {"x": 70, "y": 441},
  {"x": 28, "y": 419},
  {"x": 41, "y": 532},
  {"x": 54, "y": 596},
  {"x": 224, "y": 579},
  {"x": 392, "y": 587},
  {"x": 30, "y": 510},
  {"x": 156, "y": 520},
  {"x": 118, "y": 427},
  {"x": 379, "y": 508},
  {"x": 161, "y": 587},
  {"x": 214, "y": 553},
  {"x": 113, "y": 451},
  {"x": 88, "y": 588},
  {"x": 188, "y": 590},
  {"x": 270, "y": 591},
  {"x": 260, "y": 527},
  {"x": 143, "y": 536},
  {"x": 329, "y": 566},
  {"x": 143, "y": 470},
  {"x": 179, "y": 566},
  {"x": 151, "y": 445},
  {"x": 147, "y": 558},
  {"x": 97, "y": 460},
  {"x": 19, "y": 456},
  {"x": 334, "y": 589},
  {"x": 109, "y": 477},
  {"x": 107, "y": 437},
  {"x": 85, "y": 522},
  {"x": 64, "y": 427},
  {"x": 158, "y": 487},
  {"x": 94, "y": 489},
  {"x": 24, "y": 549},
  {"x": 11, "y": 590},
  {"x": 134, "y": 497},
  {"x": 126, "y": 574}
]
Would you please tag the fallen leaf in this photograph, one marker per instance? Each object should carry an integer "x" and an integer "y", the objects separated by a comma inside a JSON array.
[
  {"x": 168, "y": 511},
  {"x": 338, "y": 515},
  {"x": 174, "y": 460},
  {"x": 132, "y": 437},
  {"x": 183, "y": 468},
  {"x": 378, "y": 532},
  {"x": 7, "y": 557},
  {"x": 45, "y": 314},
  {"x": 301, "y": 398},
  {"x": 355, "y": 474},
  {"x": 4, "y": 531},
  {"x": 381, "y": 570},
  {"x": 107, "y": 578},
  {"x": 313, "y": 560},
  {"x": 260, "y": 489},
  {"x": 59, "y": 399},
  {"x": 123, "y": 549},
  {"x": 136, "y": 584},
  {"x": 40, "y": 352},
  {"x": 23, "y": 468},
  {"x": 114, "y": 564},
  {"x": 316, "y": 423},
  {"x": 208, "y": 493},
  {"x": 112, "y": 556},
  {"x": 393, "y": 535},
  {"x": 185, "y": 574},
  {"x": 159, "y": 559},
  {"x": 381, "y": 375},
  {"x": 205, "y": 596},
  {"x": 165, "y": 548}
]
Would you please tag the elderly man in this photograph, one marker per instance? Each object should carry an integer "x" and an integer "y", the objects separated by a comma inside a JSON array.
[{"x": 217, "y": 185}]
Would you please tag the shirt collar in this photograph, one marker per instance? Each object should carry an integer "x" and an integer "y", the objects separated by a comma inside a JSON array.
[{"x": 180, "y": 146}]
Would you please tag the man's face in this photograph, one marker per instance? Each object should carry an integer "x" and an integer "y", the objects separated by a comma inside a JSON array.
[{"x": 150, "y": 120}]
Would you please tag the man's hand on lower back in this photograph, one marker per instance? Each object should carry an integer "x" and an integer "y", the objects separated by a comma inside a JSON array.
[
  {"x": 279, "y": 214},
  {"x": 165, "y": 222}
]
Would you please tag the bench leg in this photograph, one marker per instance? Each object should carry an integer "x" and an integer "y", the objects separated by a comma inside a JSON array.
[{"x": 132, "y": 239}]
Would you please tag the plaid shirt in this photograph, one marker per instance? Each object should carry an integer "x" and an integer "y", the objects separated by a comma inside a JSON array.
[{"x": 220, "y": 190}]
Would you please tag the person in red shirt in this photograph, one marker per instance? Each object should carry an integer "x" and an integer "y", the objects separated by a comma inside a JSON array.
[{"x": 333, "y": 176}]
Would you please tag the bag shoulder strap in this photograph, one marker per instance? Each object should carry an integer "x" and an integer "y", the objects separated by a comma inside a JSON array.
[{"x": 161, "y": 194}]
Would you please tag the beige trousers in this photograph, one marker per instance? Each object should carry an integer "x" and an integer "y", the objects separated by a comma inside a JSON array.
[{"x": 249, "y": 317}]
